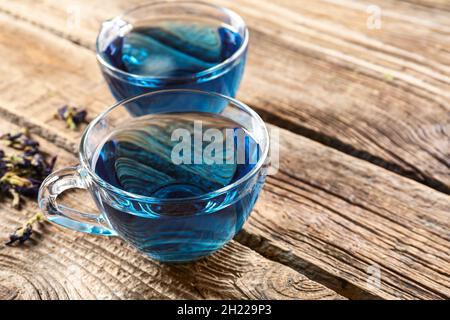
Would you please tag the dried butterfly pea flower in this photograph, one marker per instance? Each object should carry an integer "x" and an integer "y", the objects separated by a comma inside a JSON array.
[
  {"x": 20, "y": 141},
  {"x": 16, "y": 199},
  {"x": 24, "y": 233},
  {"x": 72, "y": 116},
  {"x": 22, "y": 174},
  {"x": 15, "y": 180}
]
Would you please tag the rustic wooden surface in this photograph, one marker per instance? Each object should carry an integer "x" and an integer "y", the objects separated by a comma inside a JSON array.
[{"x": 370, "y": 193}]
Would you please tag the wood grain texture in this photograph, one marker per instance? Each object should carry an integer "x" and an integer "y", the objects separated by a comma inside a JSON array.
[
  {"x": 61, "y": 264},
  {"x": 328, "y": 215},
  {"x": 380, "y": 94},
  {"x": 351, "y": 218}
]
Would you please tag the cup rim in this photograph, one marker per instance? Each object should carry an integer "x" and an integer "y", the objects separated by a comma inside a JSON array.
[
  {"x": 86, "y": 165},
  {"x": 236, "y": 55}
]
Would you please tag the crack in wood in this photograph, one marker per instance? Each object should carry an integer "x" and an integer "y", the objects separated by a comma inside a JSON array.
[
  {"x": 286, "y": 257},
  {"x": 333, "y": 142}
]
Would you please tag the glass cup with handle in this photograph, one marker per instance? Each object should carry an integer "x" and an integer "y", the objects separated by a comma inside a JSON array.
[{"x": 177, "y": 185}]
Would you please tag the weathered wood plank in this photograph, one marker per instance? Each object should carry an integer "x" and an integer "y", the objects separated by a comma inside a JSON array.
[
  {"x": 381, "y": 95},
  {"x": 332, "y": 216},
  {"x": 435, "y": 4},
  {"x": 61, "y": 264},
  {"x": 351, "y": 218}
]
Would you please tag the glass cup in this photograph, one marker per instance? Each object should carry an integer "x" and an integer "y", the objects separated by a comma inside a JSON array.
[
  {"x": 170, "y": 229},
  {"x": 221, "y": 76}
]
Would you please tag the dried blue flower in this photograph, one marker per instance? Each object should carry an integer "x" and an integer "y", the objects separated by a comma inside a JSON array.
[
  {"x": 72, "y": 116},
  {"x": 22, "y": 174},
  {"x": 24, "y": 233},
  {"x": 20, "y": 141}
]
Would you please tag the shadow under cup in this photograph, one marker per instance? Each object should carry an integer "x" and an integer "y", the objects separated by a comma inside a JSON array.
[
  {"x": 167, "y": 229},
  {"x": 222, "y": 77}
]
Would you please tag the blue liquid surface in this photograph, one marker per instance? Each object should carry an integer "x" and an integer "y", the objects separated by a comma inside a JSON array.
[
  {"x": 177, "y": 50},
  {"x": 138, "y": 159}
]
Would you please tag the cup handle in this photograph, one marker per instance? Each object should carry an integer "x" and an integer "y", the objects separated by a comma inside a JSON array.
[{"x": 55, "y": 184}]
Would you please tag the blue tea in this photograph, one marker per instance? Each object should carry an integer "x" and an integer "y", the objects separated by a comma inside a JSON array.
[
  {"x": 171, "y": 54},
  {"x": 144, "y": 157}
]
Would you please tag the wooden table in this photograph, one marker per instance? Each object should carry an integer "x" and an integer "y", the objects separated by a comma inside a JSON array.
[{"x": 360, "y": 207}]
